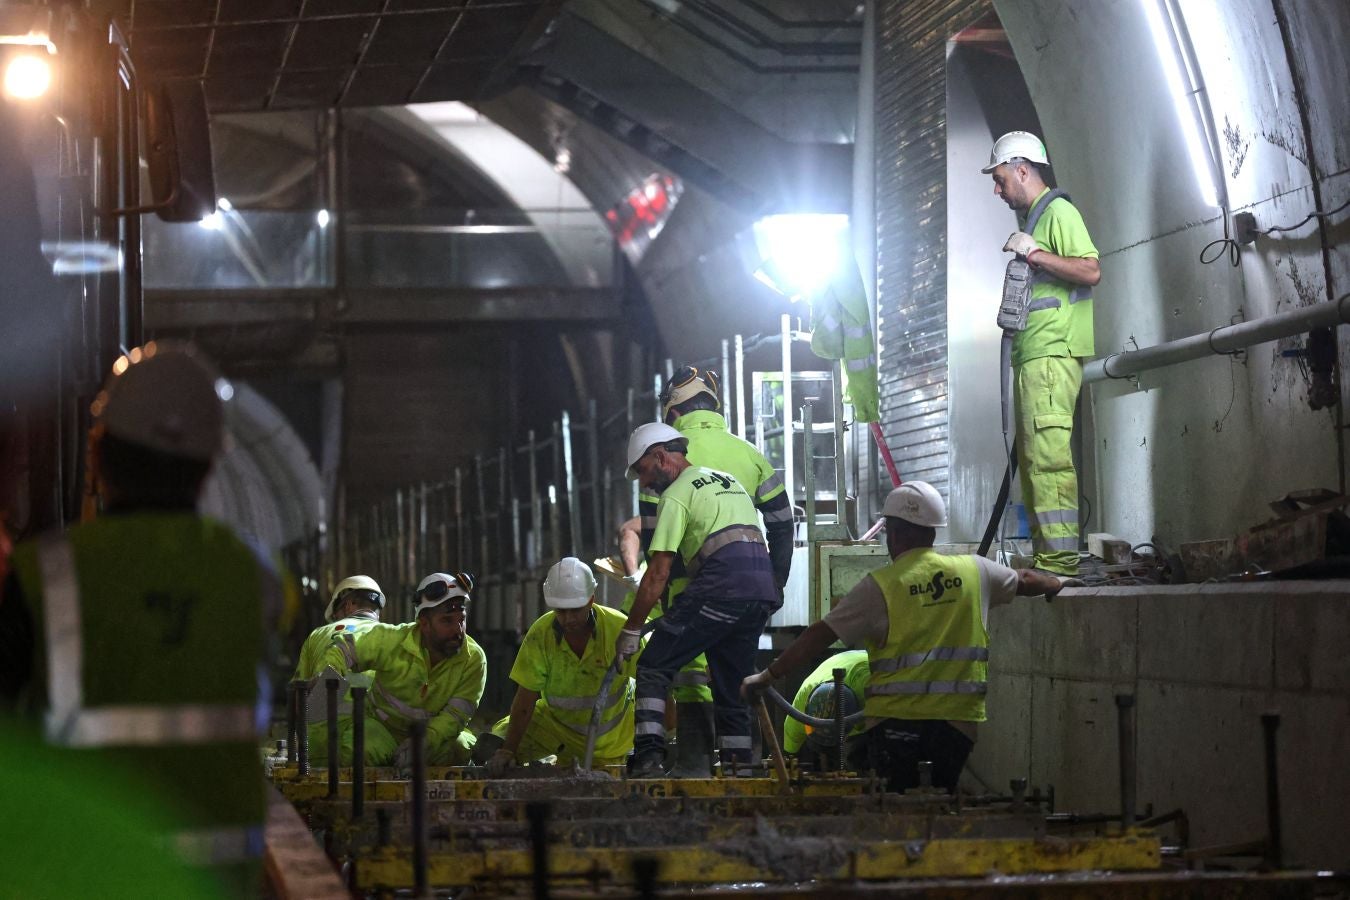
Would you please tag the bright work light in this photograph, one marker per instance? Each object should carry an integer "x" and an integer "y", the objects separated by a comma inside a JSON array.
[
  {"x": 27, "y": 76},
  {"x": 800, "y": 252}
]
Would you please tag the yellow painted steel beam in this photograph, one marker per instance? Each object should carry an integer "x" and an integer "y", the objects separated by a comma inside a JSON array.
[
  {"x": 778, "y": 859},
  {"x": 311, "y": 789}
]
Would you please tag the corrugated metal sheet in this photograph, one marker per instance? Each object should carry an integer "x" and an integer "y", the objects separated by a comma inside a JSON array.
[{"x": 911, "y": 203}]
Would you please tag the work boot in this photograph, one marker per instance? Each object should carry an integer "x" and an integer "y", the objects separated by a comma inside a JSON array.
[
  {"x": 694, "y": 745},
  {"x": 648, "y": 765}
]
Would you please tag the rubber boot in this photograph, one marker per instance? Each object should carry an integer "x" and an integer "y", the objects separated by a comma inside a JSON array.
[{"x": 694, "y": 746}]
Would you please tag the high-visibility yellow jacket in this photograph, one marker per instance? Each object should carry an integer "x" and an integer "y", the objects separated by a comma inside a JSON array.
[
  {"x": 567, "y": 684},
  {"x": 341, "y": 633},
  {"x": 153, "y": 632},
  {"x": 408, "y": 687},
  {"x": 854, "y": 664},
  {"x": 935, "y": 662},
  {"x": 711, "y": 445}
]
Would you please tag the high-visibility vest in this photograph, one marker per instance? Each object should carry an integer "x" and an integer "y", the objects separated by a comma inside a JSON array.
[
  {"x": 153, "y": 642},
  {"x": 1059, "y": 317},
  {"x": 570, "y": 683},
  {"x": 935, "y": 662}
]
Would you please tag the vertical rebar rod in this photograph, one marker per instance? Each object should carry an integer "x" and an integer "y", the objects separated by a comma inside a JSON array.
[
  {"x": 570, "y": 487},
  {"x": 418, "y": 736},
  {"x": 1125, "y": 721},
  {"x": 1270, "y": 723},
  {"x": 657, "y": 383},
  {"x": 459, "y": 520},
  {"x": 740, "y": 388},
  {"x": 358, "y": 751},
  {"x": 292, "y": 732},
  {"x": 786, "y": 338},
  {"x": 536, "y": 511},
  {"x": 302, "y": 726},
  {"x": 840, "y": 482},
  {"x": 593, "y": 454},
  {"x": 725, "y": 372},
  {"x": 484, "y": 539},
  {"x": 629, "y": 426},
  {"x": 809, "y": 470},
  {"x": 331, "y": 686},
  {"x": 537, "y": 813},
  {"x": 840, "y": 733}
]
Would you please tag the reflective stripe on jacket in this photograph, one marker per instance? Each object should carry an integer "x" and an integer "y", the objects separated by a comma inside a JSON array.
[
  {"x": 567, "y": 683},
  {"x": 934, "y": 664},
  {"x": 408, "y": 687}
]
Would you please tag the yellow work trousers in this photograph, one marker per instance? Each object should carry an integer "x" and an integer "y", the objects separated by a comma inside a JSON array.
[
  {"x": 546, "y": 736},
  {"x": 1045, "y": 391},
  {"x": 382, "y": 746}
]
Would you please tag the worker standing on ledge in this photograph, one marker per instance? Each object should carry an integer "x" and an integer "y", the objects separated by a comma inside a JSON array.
[
  {"x": 706, "y": 518},
  {"x": 1047, "y": 357},
  {"x": 113, "y": 630},
  {"x": 353, "y": 609},
  {"x": 558, "y": 671},
  {"x": 691, "y": 404},
  {"x": 923, "y": 621},
  {"x": 427, "y": 669}
]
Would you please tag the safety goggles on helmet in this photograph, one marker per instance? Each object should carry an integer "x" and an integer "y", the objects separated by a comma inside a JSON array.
[
  {"x": 363, "y": 594},
  {"x": 438, "y": 588},
  {"x": 687, "y": 382}
]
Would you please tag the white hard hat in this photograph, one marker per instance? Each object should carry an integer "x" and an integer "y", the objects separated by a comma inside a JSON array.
[
  {"x": 688, "y": 382},
  {"x": 1015, "y": 144},
  {"x": 569, "y": 584},
  {"x": 166, "y": 397},
  {"x": 647, "y": 436},
  {"x": 354, "y": 583},
  {"x": 917, "y": 502},
  {"x": 439, "y": 587}
]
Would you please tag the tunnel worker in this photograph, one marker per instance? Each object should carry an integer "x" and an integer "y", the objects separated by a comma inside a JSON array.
[
  {"x": 691, "y": 404},
  {"x": 115, "y": 627},
  {"x": 427, "y": 669},
  {"x": 815, "y": 697},
  {"x": 355, "y": 606},
  {"x": 558, "y": 672},
  {"x": 922, "y": 619},
  {"x": 709, "y": 521},
  {"x": 1047, "y": 357}
]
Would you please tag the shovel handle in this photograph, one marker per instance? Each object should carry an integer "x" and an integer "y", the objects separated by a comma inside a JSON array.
[{"x": 771, "y": 737}]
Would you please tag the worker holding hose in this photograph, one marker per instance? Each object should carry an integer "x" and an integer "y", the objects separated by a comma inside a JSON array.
[
  {"x": 923, "y": 621},
  {"x": 559, "y": 668},
  {"x": 1047, "y": 355}
]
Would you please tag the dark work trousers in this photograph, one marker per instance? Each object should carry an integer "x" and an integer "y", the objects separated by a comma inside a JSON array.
[
  {"x": 893, "y": 748},
  {"x": 728, "y": 632}
]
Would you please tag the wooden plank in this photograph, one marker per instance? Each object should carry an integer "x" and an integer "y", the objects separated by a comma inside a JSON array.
[{"x": 295, "y": 867}]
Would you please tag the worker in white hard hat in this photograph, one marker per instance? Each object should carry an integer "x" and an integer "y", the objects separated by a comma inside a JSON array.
[
  {"x": 691, "y": 403},
  {"x": 353, "y": 609},
  {"x": 123, "y": 614},
  {"x": 558, "y": 671},
  {"x": 1047, "y": 357},
  {"x": 923, "y": 622},
  {"x": 707, "y": 519},
  {"x": 429, "y": 669}
]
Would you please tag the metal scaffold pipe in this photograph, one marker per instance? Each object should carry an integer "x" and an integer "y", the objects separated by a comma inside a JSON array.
[{"x": 1225, "y": 339}]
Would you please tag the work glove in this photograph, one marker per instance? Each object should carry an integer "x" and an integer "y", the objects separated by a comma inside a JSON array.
[
  {"x": 754, "y": 686},
  {"x": 633, "y": 581},
  {"x": 1064, "y": 583},
  {"x": 627, "y": 644},
  {"x": 1022, "y": 244},
  {"x": 500, "y": 761}
]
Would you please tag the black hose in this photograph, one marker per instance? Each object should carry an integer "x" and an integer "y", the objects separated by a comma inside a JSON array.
[{"x": 794, "y": 712}]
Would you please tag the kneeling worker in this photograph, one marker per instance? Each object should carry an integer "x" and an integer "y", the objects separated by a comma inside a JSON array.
[
  {"x": 558, "y": 670},
  {"x": 353, "y": 609},
  {"x": 922, "y": 619},
  {"x": 816, "y": 698},
  {"x": 427, "y": 669}
]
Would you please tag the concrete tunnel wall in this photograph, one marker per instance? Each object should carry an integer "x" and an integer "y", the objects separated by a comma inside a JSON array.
[{"x": 1197, "y": 450}]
